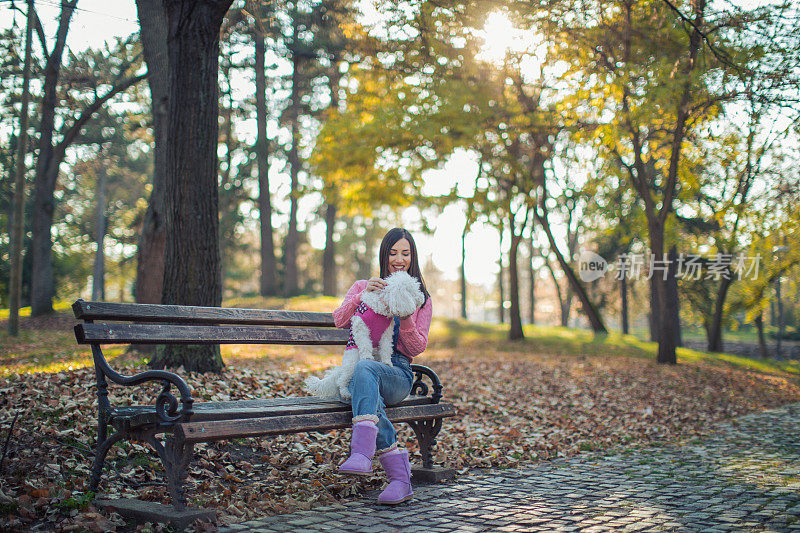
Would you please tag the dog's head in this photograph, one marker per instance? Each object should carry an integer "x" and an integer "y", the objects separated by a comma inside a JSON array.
[{"x": 402, "y": 294}]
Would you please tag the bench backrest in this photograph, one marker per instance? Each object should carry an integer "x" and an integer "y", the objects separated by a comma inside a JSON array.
[
  {"x": 127, "y": 323},
  {"x": 122, "y": 323}
]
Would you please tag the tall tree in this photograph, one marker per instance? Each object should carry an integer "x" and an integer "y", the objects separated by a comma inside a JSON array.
[
  {"x": 532, "y": 252},
  {"x": 648, "y": 67},
  {"x": 15, "y": 282},
  {"x": 152, "y": 239},
  {"x": 192, "y": 274},
  {"x": 299, "y": 55},
  {"x": 329, "y": 284},
  {"x": 474, "y": 203},
  {"x": 100, "y": 229},
  {"x": 515, "y": 317},
  {"x": 238, "y": 160},
  {"x": 501, "y": 285},
  {"x": 330, "y": 17},
  {"x": 93, "y": 68},
  {"x": 268, "y": 282},
  {"x": 589, "y": 308},
  {"x": 42, "y": 287},
  {"x": 104, "y": 165}
]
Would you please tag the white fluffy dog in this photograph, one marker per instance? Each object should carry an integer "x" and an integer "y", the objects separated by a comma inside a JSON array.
[{"x": 371, "y": 332}]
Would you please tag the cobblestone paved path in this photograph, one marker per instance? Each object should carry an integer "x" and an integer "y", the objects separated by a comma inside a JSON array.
[{"x": 743, "y": 477}]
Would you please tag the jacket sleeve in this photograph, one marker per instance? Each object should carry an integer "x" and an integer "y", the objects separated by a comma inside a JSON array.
[
  {"x": 343, "y": 314},
  {"x": 414, "y": 331}
]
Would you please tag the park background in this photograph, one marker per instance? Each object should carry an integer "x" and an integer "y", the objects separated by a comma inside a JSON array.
[{"x": 509, "y": 137}]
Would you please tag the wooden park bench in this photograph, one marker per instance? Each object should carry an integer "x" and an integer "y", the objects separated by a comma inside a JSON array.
[{"x": 174, "y": 422}]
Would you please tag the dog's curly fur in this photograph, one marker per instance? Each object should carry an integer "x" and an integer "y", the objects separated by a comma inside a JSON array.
[{"x": 401, "y": 297}]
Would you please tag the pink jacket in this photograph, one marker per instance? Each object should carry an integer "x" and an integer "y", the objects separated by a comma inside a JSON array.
[{"x": 413, "y": 330}]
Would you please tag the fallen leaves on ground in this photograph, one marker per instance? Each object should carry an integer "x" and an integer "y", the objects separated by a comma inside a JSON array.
[{"x": 514, "y": 408}]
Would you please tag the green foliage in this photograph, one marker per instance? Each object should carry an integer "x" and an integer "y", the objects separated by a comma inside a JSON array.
[
  {"x": 8, "y": 508},
  {"x": 115, "y": 139},
  {"x": 80, "y": 503},
  {"x": 600, "y": 86}
]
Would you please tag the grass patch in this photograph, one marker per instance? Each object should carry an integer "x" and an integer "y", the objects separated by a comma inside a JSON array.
[
  {"x": 25, "y": 312},
  {"x": 760, "y": 365},
  {"x": 318, "y": 304},
  {"x": 50, "y": 360},
  {"x": 50, "y": 346},
  {"x": 81, "y": 503},
  {"x": 556, "y": 340}
]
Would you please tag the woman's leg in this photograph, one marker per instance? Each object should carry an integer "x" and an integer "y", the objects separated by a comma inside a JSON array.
[
  {"x": 375, "y": 385},
  {"x": 394, "y": 459}
]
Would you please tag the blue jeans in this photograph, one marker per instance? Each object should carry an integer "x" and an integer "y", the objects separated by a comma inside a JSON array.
[{"x": 375, "y": 385}]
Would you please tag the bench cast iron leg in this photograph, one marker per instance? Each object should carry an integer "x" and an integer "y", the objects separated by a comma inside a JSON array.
[
  {"x": 175, "y": 456},
  {"x": 100, "y": 458},
  {"x": 426, "y": 431}
]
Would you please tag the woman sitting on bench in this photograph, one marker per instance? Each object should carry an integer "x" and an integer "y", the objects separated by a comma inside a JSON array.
[{"x": 375, "y": 385}]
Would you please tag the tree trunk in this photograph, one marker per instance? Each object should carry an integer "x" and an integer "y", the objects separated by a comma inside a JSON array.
[
  {"x": 152, "y": 240},
  {"x": 623, "y": 289},
  {"x": 42, "y": 284},
  {"x": 269, "y": 270},
  {"x": 587, "y": 306},
  {"x": 515, "y": 332},
  {"x": 329, "y": 254},
  {"x": 556, "y": 286},
  {"x": 773, "y": 315},
  {"x": 363, "y": 258},
  {"x": 566, "y": 303},
  {"x": 531, "y": 281},
  {"x": 673, "y": 301},
  {"x": 715, "y": 329},
  {"x": 192, "y": 273},
  {"x": 290, "y": 275},
  {"x": 18, "y": 224},
  {"x": 462, "y": 274},
  {"x": 662, "y": 311},
  {"x": 572, "y": 247},
  {"x": 762, "y": 343},
  {"x": 500, "y": 285},
  {"x": 100, "y": 227},
  {"x": 653, "y": 317},
  {"x": 227, "y": 204},
  {"x": 779, "y": 304}
]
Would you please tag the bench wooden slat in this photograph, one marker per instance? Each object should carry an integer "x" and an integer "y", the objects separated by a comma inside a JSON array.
[
  {"x": 178, "y": 314},
  {"x": 139, "y": 415},
  {"x": 260, "y": 402},
  {"x": 297, "y": 423},
  {"x": 101, "y": 333}
]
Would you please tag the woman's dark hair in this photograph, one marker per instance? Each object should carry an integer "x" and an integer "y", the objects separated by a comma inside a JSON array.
[{"x": 389, "y": 240}]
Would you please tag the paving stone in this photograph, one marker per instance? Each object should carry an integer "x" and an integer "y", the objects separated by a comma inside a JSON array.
[{"x": 733, "y": 479}]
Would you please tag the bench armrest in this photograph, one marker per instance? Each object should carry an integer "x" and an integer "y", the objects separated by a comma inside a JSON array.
[
  {"x": 420, "y": 388},
  {"x": 166, "y": 403}
]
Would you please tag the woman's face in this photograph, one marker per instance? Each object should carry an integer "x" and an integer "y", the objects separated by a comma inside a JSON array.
[{"x": 400, "y": 256}]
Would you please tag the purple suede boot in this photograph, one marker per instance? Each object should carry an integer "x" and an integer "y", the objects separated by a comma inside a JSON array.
[
  {"x": 362, "y": 449},
  {"x": 398, "y": 470}
]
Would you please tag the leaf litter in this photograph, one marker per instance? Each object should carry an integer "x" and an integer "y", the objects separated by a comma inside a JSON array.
[{"x": 514, "y": 408}]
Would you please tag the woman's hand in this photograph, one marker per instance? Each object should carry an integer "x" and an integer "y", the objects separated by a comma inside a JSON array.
[{"x": 375, "y": 284}]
